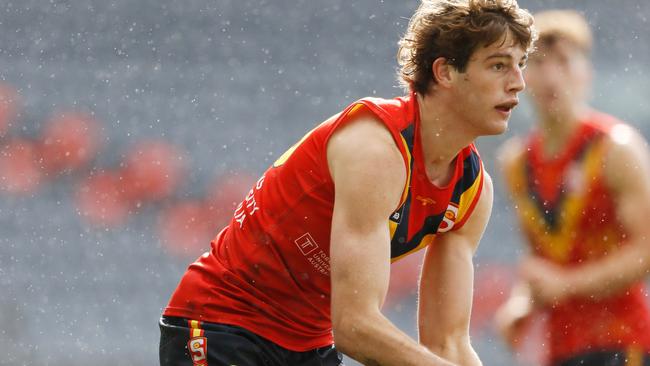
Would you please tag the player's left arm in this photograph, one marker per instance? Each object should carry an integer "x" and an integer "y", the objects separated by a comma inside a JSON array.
[
  {"x": 627, "y": 170},
  {"x": 627, "y": 173},
  {"x": 446, "y": 286}
]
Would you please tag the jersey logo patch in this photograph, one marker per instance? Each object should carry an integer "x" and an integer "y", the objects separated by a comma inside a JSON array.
[
  {"x": 449, "y": 219},
  {"x": 425, "y": 200},
  {"x": 198, "y": 347},
  {"x": 306, "y": 244},
  {"x": 396, "y": 217}
]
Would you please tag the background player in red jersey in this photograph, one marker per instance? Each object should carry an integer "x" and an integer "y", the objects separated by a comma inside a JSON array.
[
  {"x": 305, "y": 260},
  {"x": 580, "y": 183}
]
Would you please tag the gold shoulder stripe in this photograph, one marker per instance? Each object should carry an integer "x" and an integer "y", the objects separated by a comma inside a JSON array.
[
  {"x": 284, "y": 157},
  {"x": 408, "y": 171},
  {"x": 467, "y": 198}
]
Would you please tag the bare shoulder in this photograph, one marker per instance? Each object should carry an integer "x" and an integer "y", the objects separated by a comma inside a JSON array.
[
  {"x": 481, "y": 214},
  {"x": 363, "y": 130},
  {"x": 627, "y": 158},
  {"x": 366, "y": 144},
  {"x": 624, "y": 141},
  {"x": 488, "y": 187}
]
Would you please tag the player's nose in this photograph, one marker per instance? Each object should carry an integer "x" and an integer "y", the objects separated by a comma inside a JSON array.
[{"x": 517, "y": 82}]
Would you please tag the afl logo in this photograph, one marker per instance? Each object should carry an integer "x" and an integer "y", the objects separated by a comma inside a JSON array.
[{"x": 449, "y": 218}]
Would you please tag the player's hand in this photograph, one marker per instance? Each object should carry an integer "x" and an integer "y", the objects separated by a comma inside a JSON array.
[
  {"x": 512, "y": 317},
  {"x": 549, "y": 283}
]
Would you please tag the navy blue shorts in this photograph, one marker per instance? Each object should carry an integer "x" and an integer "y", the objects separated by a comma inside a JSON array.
[
  {"x": 608, "y": 358},
  {"x": 227, "y": 345}
]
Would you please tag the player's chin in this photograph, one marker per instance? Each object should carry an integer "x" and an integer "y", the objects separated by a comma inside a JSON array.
[{"x": 495, "y": 127}]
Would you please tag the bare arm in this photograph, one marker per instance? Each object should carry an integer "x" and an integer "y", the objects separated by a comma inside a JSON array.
[
  {"x": 447, "y": 283},
  {"x": 369, "y": 176},
  {"x": 513, "y": 315},
  {"x": 627, "y": 170}
]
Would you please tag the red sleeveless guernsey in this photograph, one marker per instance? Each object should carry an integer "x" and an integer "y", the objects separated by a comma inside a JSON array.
[
  {"x": 268, "y": 271},
  {"x": 568, "y": 215}
]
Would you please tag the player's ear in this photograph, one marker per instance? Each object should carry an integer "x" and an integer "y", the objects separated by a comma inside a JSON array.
[{"x": 442, "y": 71}]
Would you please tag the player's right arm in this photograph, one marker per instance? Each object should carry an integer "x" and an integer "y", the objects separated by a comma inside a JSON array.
[{"x": 369, "y": 176}]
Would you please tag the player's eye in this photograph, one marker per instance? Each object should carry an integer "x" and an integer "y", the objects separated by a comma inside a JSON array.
[
  {"x": 498, "y": 66},
  {"x": 523, "y": 64}
]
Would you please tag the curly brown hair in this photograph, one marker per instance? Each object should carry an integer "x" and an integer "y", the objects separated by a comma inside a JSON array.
[{"x": 453, "y": 29}]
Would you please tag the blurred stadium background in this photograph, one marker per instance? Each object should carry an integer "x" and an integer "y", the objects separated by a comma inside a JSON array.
[{"x": 129, "y": 129}]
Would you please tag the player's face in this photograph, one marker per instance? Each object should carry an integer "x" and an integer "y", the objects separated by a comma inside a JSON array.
[
  {"x": 558, "y": 77},
  {"x": 487, "y": 90}
]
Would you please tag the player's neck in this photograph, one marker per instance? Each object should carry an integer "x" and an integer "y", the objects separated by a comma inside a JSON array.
[
  {"x": 442, "y": 137},
  {"x": 557, "y": 128}
]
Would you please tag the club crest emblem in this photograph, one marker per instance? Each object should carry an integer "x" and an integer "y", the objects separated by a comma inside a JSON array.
[
  {"x": 449, "y": 218},
  {"x": 198, "y": 347}
]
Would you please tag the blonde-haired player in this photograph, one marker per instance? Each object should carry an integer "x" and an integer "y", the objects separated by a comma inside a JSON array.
[{"x": 581, "y": 185}]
